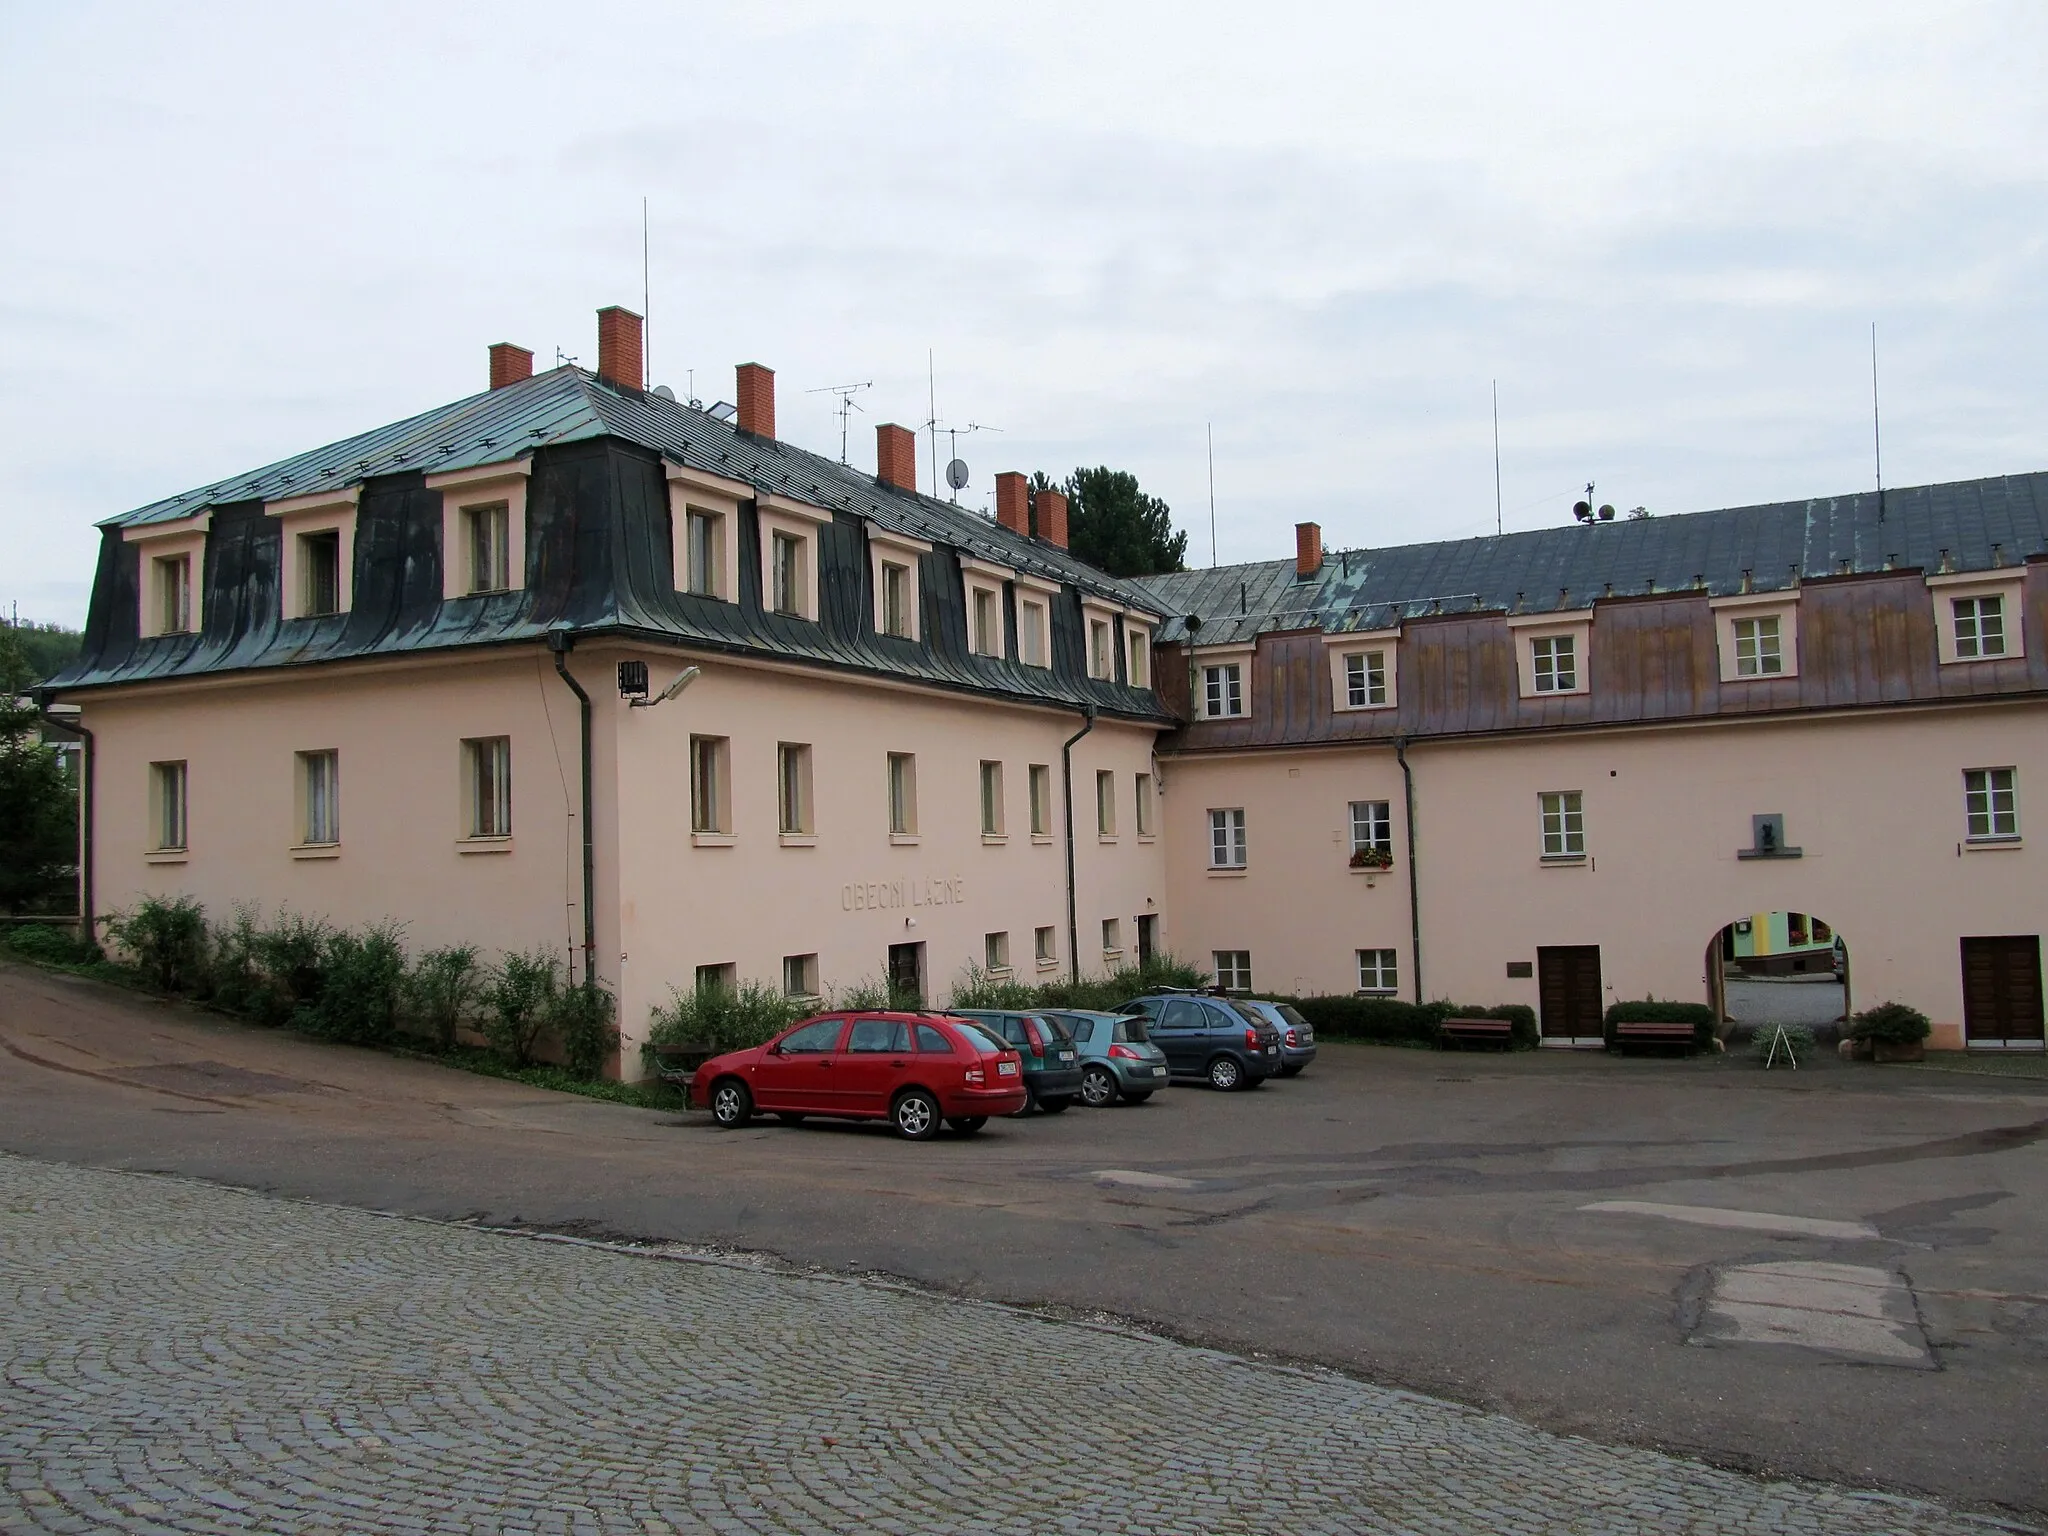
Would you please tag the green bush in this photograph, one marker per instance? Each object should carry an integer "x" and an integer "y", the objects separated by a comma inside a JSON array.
[
  {"x": 978, "y": 989},
  {"x": 1893, "y": 1023},
  {"x": 516, "y": 1004},
  {"x": 360, "y": 985},
  {"x": 1522, "y": 1031},
  {"x": 50, "y": 943},
  {"x": 580, "y": 1019},
  {"x": 235, "y": 980},
  {"x": 292, "y": 954},
  {"x": 1650, "y": 1010},
  {"x": 167, "y": 939},
  {"x": 1388, "y": 1019},
  {"x": 440, "y": 992},
  {"x": 1797, "y": 1036},
  {"x": 727, "y": 1018}
]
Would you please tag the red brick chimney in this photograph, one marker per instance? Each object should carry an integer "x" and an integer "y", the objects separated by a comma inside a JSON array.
[
  {"x": 618, "y": 348},
  {"x": 896, "y": 456},
  {"x": 1049, "y": 510},
  {"x": 1013, "y": 502},
  {"x": 509, "y": 364},
  {"x": 757, "y": 399},
  {"x": 1308, "y": 549}
]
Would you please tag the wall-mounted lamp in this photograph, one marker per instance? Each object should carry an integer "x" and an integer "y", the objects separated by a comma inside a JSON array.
[{"x": 633, "y": 684}]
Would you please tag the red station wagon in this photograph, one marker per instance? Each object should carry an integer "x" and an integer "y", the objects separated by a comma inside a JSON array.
[{"x": 914, "y": 1070}]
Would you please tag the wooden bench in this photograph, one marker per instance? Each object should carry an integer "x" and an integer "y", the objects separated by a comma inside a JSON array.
[
  {"x": 1465, "y": 1032},
  {"x": 1636, "y": 1033}
]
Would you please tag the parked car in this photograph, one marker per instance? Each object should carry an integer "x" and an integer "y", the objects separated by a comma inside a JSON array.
[
  {"x": 913, "y": 1070},
  {"x": 1297, "y": 1035},
  {"x": 1118, "y": 1058},
  {"x": 1052, "y": 1067},
  {"x": 1211, "y": 1038}
]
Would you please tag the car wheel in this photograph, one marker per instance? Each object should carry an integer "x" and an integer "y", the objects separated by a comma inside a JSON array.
[
  {"x": 1055, "y": 1106},
  {"x": 789, "y": 1117},
  {"x": 1225, "y": 1074},
  {"x": 967, "y": 1125},
  {"x": 731, "y": 1105},
  {"x": 1294, "y": 1071},
  {"x": 1030, "y": 1103},
  {"x": 1137, "y": 1098},
  {"x": 1097, "y": 1088},
  {"x": 915, "y": 1115}
]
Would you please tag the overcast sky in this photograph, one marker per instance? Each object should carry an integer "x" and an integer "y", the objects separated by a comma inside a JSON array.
[{"x": 233, "y": 233}]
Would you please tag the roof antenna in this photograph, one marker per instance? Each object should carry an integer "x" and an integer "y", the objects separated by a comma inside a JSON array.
[
  {"x": 846, "y": 406},
  {"x": 931, "y": 412},
  {"x": 1212, "y": 495},
  {"x": 1876, "y": 426},
  {"x": 1496, "y": 456},
  {"x": 646, "y": 317}
]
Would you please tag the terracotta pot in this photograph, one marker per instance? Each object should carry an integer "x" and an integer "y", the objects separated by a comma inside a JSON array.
[{"x": 1898, "y": 1050}]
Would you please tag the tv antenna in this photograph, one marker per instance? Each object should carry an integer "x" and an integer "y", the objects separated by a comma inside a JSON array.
[
  {"x": 956, "y": 467},
  {"x": 1584, "y": 511},
  {"x": 845, "y": 408}
]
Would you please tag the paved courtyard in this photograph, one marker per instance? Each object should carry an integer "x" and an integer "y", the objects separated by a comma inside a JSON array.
[{"x": 181, "y": 1357}]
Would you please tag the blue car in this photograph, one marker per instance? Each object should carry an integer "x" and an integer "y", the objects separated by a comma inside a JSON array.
[
  {"x": 1118, "y": 1059},
  {"x": 1210, "y": 1039}
]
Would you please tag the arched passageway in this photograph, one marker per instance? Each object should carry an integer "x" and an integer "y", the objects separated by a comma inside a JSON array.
[{"x": 1779, "y": 967}]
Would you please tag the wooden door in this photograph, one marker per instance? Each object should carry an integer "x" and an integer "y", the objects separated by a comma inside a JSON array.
[
  {"x": 2002, "y": 990},
  {"x": 1568, "y": 986}
]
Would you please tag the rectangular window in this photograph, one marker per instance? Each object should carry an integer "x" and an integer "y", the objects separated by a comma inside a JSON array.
[
  {"x": 718, "y": 978},
  {"x": 1144, "y": 805},
  {"x": 1372, "y": 827},
  {"x": 704, "y": 553},
  {"x": 320, "y": 798},
  {"x": 991, "y": 799},
  {"x": 786, "y": 566},
  {"x": 1031, "y": 634},
  {"x": 1112, "y": 936},
  {"x": 1556, "y": 663},
  {"x": 167, "y": 799},
  {"x": 793, "y": 788},
  {"x": 490, "y": 548},
  {"x": 1365, "y": 679},
  {"x": 1234, "y": 970},
  {"x": 1047, "y": 943},
  {"x": 1980, "y": 627},
  {"x": 902, "y": 794},
  {"x": 1795, "y": 927},
  {"x": 172, "y": 576},
  {"x": 710, "y": 793},
  {"x": 1138, "y": 665},
  {"x": 1991, "y": 803},
  {"x": 1223, "y": 691},
  {"x": 1758, "y": 650},
  {"x": 319, "y": 573},
  {"x": 799, "y": 976},
  {"x": 488, "y": 762},
  {"x": 1376, "y": 971},
  {"x": 1564, "y": 823},
  {"x": 1226, "y": 839},
  {"x": 1098, "y": 648},
  {"x": 995, "y": 949},
  {"x": 895, "y": 599},
  {"x": 988, "y": 622},
  {"x": 1105, "y": 803},
  {"x": 1041, "y": 800}
]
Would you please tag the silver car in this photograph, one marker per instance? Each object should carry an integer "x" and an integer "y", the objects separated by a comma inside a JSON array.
[{"x": 1297, "y": 1035}]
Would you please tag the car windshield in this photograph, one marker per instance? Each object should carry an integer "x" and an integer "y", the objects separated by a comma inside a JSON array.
[
  {"x": 1132, "y": 1032},
  {"x": 980, "y": 1035}
]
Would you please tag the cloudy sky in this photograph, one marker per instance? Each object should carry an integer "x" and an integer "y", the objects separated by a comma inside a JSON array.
[{"x": 232, "y": 233}]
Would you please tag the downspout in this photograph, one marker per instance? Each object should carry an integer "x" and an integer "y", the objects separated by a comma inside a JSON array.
[
  {"x": 88, "y": 930},
  {"x": 561, "y": 642},
  {"x": 1414, "y": 876},
  {"x": 1067, "y": 787}
]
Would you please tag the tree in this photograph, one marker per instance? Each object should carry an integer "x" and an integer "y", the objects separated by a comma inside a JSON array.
[
  {"x": 1114, "y": 525},
  {"x": 48, "y": 648},
  {"x": 38, "y": 802}
]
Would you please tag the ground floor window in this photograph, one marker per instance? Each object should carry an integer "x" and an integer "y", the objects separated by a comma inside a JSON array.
[
  {"x": 167, "y": 795},
  {"x": 320, "y": 798},
  {"x": 995, "y": 948},
  {"x": 1226, "y": 839},
  {"x": 1991, "y": 803},
  {"x": 1234, "y": 970},
  {"x": 489, "y": 764},
  {"x": 712, "y": 978},
  {"x": 1112, "y": 936},
  {"x": 1376, "y": 972},
  {"x": 799, "y": 975},
  {"x": 710, "y": 797},
  {"x": 1372, "y": 827},
  {"x": 1564, "y": 823},
  {"x": 1048, "y": 945}
]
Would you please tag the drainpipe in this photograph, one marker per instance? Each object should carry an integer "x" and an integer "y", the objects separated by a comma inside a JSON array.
[
  {"x": 561, "y": 642},
  {"x": 1067, "y": 786},
  {"x": 88, "y": 929},
  {"x": 1414, "y": 877}
]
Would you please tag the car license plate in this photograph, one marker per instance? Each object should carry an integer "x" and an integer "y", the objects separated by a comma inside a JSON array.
[
  {"x": 1159, "y": 1071},
  {"x": 1006, "y": 1069},
  {"x": 1272, "y": 1050},
  {"x": 1066, "y": 1055}
]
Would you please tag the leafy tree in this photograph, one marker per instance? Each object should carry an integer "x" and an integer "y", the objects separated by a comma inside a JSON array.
[
  {"x": 48, "y": 648},
  {"x": 1115, "y": 526},
  {"x": 38, "y": 802}
]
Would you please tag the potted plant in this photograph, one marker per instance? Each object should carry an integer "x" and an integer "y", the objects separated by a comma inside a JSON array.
[
  {"x": 1891, "y": 1032},
  {"x": 1372, "y": 856}
]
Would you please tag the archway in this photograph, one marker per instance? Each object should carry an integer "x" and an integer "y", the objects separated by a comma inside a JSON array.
[{"x": 1779, "y": 967}]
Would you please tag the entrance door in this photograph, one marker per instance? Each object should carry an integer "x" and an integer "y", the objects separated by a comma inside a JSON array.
[
  {"x": 906, "y": 975},
  {"x": 1568, "y": 983},
  {"x": 1148, "y": 937},
  {"x": 2002, "y": 993}
]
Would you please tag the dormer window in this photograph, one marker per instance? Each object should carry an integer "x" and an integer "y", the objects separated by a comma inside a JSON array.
[
  {"x": 1362, "y": 669},
  {"x": 318, "y": 530},
  {"x": 788, "y": 574},
  {"x": 895, "y": 599},
  {"x": 1977, "y": 615},
  {"x": 1554, "y": 663},
  {"x": 703, "y": 511},
  {"x": 1980, "y": 626},
  {"x": 483, "y": 528},
  {"x": 1138, "y": 657},
  {"x": 1098, "y": 648},
  {"x": 171, "y": 582},
  {"x": 1034, "y": 620},
  {"x": 1550, "y": 652},
  {"x": 490, "y": 547},
  {"x": 988, "y": 622},
  {"x": 1758, "y": 635},
  {"x": 170, "y": 559},
  {"x": 1223, "y": 690},
  {"x": 894, "y": 564},
  {"x": 319, "y": 573},
  {"x": 1365, "y": 679}
]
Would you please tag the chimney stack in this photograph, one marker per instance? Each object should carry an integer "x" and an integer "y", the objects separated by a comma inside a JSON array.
[
  {"x": 1308, "y": 550},
  {"x": 618, "y": 348},
  {"x": 757, "y": 399},
  {"x": 896, "y": 456},
  {"x": 509, "y": 364},
  {"x": 1049, "y": 511},
  {"x": 1013, "y": 502}
]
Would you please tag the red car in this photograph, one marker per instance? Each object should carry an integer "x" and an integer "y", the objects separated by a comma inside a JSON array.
[{"x": 914, "y": 1070}]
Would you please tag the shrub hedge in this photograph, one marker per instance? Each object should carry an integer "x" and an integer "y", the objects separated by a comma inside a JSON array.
[
  {"x": 1650, "y": 1010},
  {"x": 1391, "y": 1021},
  {"x": 1893, "y": 1023}
]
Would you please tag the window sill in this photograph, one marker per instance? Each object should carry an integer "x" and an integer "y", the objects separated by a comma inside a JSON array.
[
  {"x": 1971, "y": 661},
  {"x": 1042, "y": 839},
  {"x": 712, "y": 840},
  {"x": 1148, "y": 837},
  {"x": 903, "y": 839},
  {"x": 798, "y": 839},
  {"x": 1048, "y": 962},
  {"x": 1238, "y": 716},
  {"x": 317, "y": 851},
  {"x": 1000, "y": 973},
  {"x": 1377, "y": 992},
  {"x": 1758, "y": 677},
  {"x": 1562, "y": 860},
  {"x": 166, "y": 856},
  {"x": 1109, "y": 955},
  {"x": 1988, "y": 844},
  {"x": 995, "y": 839},
  {"x": 1360, "y": 709},
  {"x": 1369, "y": 870},
  {"x": 1105, "y": 837},
  {"x": 483, "y": 845},
  {"x": 1237, "y": 872}
]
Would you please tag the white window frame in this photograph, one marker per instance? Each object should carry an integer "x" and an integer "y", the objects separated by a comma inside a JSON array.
[
  {"x": 1137, "y": 653},
  {"x": 300, "y": 516},
  {"x": 1372, "y": 824},
  {"x": 183, "y": 539},
  {"x": 1379, "y": 972},
  {"x": 1221, "y": 660},
  {"x": 2009, "y": 586},
  {"x": 907, "y": 555},
  {"x": 710, "y": 788},
  {"x": 1105, "y": 805},
  {"x": 1991, "y": 795},
  {"x": 794, "y": 814},
  {"x": 487, "y": 537},
  {"x": 1229, "y": 845},
  {"x": 1098, "y": 638},
  {"x": 1730, "y": 613},
  {"x": 465, "y": 492},
  {"x": 170, "y": 581},
  {"x": 799, "y": 521},
  {"x": 1233, "y": 969},
  {"x": 170, "y": 807},
  {"x": 1527, "y": 629},
  {"x": 991, "y": 794},
  {"x": 692, "y": 491},
  {"x": 800, "y": 976},
  {"x": 319, "y": 798},
  {"x": 1561, "y": 819},
  {"x": 1039, "y": 780},
  {"x": 902, "y": 796},
  {"x": 1364, "y": 644},
  {"x": 487, "y": 788},
  {"x": 982, "y": 581},
  {"x": 1035, "y": 599}
]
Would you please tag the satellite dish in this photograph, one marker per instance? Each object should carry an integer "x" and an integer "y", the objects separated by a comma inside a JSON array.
[
  {"x": 665, "y": 392},
  {"x": 956, "y": 474},
  {"x": 1583, "y": 511},
  {"x": 1606, "y": 514}
]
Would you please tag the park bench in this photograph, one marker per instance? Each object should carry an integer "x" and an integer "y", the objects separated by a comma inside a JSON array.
[
  {"x": 1636, "y": 1033},
  {"x": 1464, "y": 1032}
]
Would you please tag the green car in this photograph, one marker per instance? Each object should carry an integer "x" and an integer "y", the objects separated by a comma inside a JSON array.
[
  {"x": 1052, "y": 1074},
  {"x": 1118, "y": 1058}
]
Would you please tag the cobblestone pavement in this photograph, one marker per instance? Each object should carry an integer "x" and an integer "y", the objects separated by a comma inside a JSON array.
[{"x": 181, "y": 1357}]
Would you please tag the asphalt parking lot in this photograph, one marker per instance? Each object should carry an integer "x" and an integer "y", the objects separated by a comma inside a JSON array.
[{"x": 1832, "y": 1274}]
